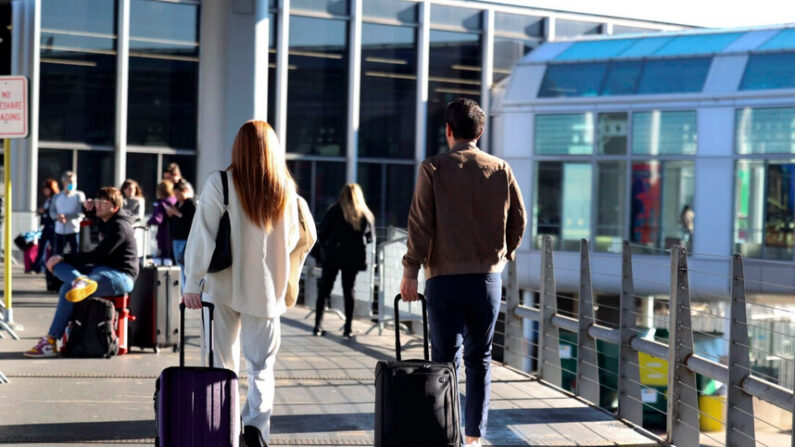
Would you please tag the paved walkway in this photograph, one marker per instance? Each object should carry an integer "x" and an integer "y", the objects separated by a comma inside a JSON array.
[{"x": 324, "y": 391}]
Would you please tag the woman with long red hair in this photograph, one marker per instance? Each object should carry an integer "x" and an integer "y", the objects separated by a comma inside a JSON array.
[
  {"x": 47, "y": 240},
  {"x": 249, "y": 295}
]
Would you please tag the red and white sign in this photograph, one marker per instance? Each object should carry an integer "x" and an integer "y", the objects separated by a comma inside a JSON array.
[{"x": 13, "y": 107}]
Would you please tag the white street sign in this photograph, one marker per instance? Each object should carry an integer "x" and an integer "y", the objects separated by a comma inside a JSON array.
[{"x": 13, "y": 107}]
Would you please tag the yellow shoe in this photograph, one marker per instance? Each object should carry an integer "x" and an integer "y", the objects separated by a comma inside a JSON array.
[{"x": 82, "y": 288}]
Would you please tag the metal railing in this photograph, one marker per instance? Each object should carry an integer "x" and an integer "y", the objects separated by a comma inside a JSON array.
[{"x": 684, "y": 363}]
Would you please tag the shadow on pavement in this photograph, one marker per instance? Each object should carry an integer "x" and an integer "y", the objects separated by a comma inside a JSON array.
[{"x": 77, "y": 432}]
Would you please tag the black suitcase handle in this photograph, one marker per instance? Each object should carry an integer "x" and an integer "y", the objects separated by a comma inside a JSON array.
[
  {"x": 424, "y": 326},
  {"x": 208, "y": 305}
]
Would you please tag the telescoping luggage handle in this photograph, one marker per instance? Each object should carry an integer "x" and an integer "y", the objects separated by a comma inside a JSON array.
[
  {"x": 210, "y": 306},
  {"x": 424, "y": 325}
]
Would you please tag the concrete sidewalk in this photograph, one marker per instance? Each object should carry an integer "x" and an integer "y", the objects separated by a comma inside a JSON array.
[{"x": 324, "y": 390}]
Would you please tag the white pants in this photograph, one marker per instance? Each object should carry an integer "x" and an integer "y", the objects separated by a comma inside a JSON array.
[{"x": 260, "y": 338}]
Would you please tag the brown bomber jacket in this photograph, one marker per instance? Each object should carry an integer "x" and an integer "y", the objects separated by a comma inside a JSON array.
[{"x": 467, "y": 215}]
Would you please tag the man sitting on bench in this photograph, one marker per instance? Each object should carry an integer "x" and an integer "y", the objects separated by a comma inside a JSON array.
[{"x": 108, "y": 270}]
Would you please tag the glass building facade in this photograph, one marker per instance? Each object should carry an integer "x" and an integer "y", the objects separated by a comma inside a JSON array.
[{"x": 404, "y": 60}]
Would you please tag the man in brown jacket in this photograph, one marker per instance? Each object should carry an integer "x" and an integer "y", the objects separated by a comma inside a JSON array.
[{"x": 466, "y": 221}]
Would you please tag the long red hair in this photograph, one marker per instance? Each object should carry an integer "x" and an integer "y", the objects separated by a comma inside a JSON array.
[{"x": 260, "y": 174}]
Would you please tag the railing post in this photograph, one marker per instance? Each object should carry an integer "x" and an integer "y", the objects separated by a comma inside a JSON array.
[
  {"x": 740, "y": 406},
  {"x": 682, "y": 417},
  {"x": 587, "y": 361},
  {"x": 513, "y": 323},
  {"x": 549, "y": 345},
  {"x": 630, "y": 406}
]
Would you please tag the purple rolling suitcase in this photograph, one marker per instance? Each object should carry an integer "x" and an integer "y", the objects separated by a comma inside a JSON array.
[{"x": 196, "y": 406}]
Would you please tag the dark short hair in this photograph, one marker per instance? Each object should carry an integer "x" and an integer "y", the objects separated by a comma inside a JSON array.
[
  {"x": 112, "y": 195},
  {"x": 465, "y": 118}
]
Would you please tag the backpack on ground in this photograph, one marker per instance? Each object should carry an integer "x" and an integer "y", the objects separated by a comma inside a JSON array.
[{"x": 93, "y": 331}]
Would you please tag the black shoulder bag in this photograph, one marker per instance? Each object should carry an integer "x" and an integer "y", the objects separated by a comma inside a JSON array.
[{"x": 222, "y": 256}]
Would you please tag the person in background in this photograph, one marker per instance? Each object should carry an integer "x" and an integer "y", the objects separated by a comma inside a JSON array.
[
  {"x": 49, "y": 190},
  {"x": 134, "y": 202},
  {"x": 345, "y": 230},
  {"x": 165, "y": 200},
  {"x": 465, "y": 223},
  {"x": 108, "y": 270},
  {"x": 249, "y": 295},
  {"x": 180, "y": 219},
  {"x": 66, "y": 210},
  {"x": 687, "y": 221},
  {"x": 173, "y": 174}
]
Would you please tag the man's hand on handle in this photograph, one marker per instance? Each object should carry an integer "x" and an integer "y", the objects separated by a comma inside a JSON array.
[
  {"x": 192, "y": 300},
  {"x": 408, "y": 289}
]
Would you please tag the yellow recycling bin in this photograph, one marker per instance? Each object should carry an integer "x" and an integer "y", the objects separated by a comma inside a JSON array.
[{"x": 713, "y": 412}]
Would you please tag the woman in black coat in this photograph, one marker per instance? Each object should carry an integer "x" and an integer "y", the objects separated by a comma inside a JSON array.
[{"x": 343, "y": 233}]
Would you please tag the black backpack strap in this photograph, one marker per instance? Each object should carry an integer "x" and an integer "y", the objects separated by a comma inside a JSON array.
[{"x": 226, "y": 188}]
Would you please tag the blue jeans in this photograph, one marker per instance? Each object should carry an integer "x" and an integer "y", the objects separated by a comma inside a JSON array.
[
  {"x": 179, "y": 246},
  {"x": 462, "y": 313},
  {"x": 109, "y": 283}
]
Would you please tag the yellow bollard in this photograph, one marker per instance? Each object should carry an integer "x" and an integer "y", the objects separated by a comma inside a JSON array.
[{"x": 713, "y": 412}]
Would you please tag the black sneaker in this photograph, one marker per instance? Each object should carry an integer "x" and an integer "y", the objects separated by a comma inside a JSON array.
[
  {"x": 253, "y": 437},
  {"x": 347, "y": 335},
  {"x": 319, "y": 333}
]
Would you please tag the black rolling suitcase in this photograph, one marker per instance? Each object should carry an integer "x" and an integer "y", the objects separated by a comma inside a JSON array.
[
  {"x": 416, "y": 401},
  {"x": 154, "y": 303}
]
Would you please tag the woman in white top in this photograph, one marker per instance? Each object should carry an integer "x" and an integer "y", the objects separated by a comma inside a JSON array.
[{"x": 249, "y": 295}]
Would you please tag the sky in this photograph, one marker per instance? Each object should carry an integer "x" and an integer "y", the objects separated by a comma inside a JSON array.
[{"x": 709, "y": 13}]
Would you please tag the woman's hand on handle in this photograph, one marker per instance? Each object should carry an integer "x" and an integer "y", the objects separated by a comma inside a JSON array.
[{"x": 192, "y": 300}]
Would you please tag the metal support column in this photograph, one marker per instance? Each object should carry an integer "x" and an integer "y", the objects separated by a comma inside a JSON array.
[
  {"x": 549, "y": 347},
  {"x": 740, "y": 414},
  {"x": 122, "y": 87},
  {"x": 587, "y": 361},
  {"x": 423, "y": 67},
  {"x": 682, "y": 416},
  {"x": 630, "y": 405},
  {"x": 354, "y": 89},
  {"x": 513, "y": 323},
  {"x": 282, "y": 59}
]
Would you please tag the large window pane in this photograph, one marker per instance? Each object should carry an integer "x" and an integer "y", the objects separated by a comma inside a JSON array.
[
  {"x": 611, "y": 205},
  {"x": 164, "y": 74},
  {"x": 622, "y": 78},
  {"x": 572, "y": 80},
  {"x": 388, "y": 91},
  {"x": 337, "y": 7},
  {"x": 52, "y": 164},
  {"x": 749, "y": 208},
  {"x": 507, "y": 52},
  {"x": 613, "y": 133},
  {"x": 455, "y": 61},
  {"x": 573, "y": 28},
  {"x": 660, "y": 192},
  {"x": 388, "y": 189},
  {"x": 187, "y": 166},
  {"x": 329, "y": 180},
  {"x": 779, "y": 210},
  {"x": 562, "y": 203},
  {"x": 94, "y": 171},
  {"x": 302, "y": 174},
  {"x": 78, "y": 71},
  {"x": 765, "y": 131},
  {"x": 272, "y": 68},
  {"x": 664, "y": 133},
  {"x": 403, "y": 11},
  {"x": 317, "y": 86},
  {"x": 143, "y": 169},
  {"x": 444, "y": 15},
  {"x": 673, "y": 75},
  {"x": 769, "y": 71},
  {"x": 564, "y": 134}
]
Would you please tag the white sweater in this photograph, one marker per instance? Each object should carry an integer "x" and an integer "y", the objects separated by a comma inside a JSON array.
[{"x": 256, "y": 282}]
